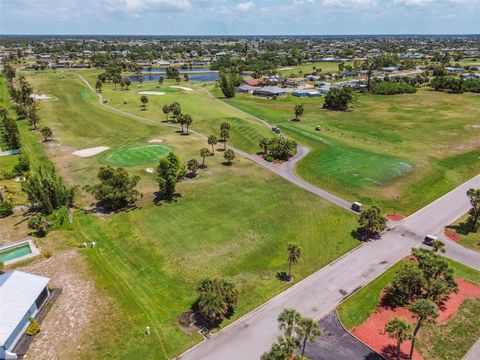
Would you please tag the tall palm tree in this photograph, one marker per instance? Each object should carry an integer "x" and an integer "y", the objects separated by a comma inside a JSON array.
[
  {"x": 224, "y": 135},
  {"x": 264, "y": 145},
  {"x": 188, "y": 121},
  {"x": 400, "y": 330},
  {"x": 166, "y": 110},
  {"x": 298, "y": 111},
  {"x": 212, "y": 140},
  {"x": 287, "y": 320},
  {"x": 307, "y": 330},
  {"x": 294, "y": 253},
  {"x": 424, "y": 310},
  {"x": 204, "y": 152}
]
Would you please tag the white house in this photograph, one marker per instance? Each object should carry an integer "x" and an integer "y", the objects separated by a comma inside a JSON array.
[{"x": 21, "y": 297}]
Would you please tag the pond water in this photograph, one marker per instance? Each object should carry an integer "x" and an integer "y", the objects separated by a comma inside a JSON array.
[{"x": 201, "y": 77}]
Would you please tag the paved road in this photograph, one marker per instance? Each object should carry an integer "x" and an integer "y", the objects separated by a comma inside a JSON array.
[
  {"x": 319, "y": 293},
  {"x": 337, "y": 343},
  {"x": 474, "y": 352},
  {"x": 285, "y": 170}
]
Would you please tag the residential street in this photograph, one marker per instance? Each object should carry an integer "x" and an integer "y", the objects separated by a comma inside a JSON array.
[{"x": 253, "y": 334}]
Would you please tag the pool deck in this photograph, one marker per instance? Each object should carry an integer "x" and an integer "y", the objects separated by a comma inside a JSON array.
[{"x": 33, "y": 248}]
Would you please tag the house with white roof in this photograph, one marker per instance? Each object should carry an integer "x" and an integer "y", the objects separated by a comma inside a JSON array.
[{"x": 21, "y": 297}]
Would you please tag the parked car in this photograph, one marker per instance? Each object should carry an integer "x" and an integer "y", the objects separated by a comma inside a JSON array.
[
  {"x": 275, "y": 129},
  {"x": 429, "y": 239},
  {"x": 356, "y": 206}
]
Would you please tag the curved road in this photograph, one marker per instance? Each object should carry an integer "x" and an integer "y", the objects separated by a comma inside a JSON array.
[
  {"x": 316, "y": 295},
  {"x": 285, "y": 170}
]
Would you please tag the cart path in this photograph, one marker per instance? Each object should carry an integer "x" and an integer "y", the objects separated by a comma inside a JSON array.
[{"x": 285, "y": 170}]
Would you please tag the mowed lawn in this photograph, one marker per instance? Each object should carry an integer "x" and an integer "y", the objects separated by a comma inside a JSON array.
[
  {"x": 411, "y": 147},
  {"x": 231, "y": 221},
  {"x": 450, "y": 340},
  {"x": 207, "y": 113}
]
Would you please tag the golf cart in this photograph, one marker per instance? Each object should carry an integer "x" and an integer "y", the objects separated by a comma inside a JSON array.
[
  {"x": 356, "y": 206},
  {"x": 429, "y": 239}
]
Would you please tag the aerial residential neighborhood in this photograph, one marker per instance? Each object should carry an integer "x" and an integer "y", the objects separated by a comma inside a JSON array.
[{"x": 242, "y": 180}]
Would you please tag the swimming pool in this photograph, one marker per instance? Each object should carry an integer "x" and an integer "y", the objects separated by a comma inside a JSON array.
[{"x": 18, "y": 251}]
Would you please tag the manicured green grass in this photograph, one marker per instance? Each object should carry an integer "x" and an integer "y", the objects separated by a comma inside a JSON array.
[
  {"x": 231, "y": 221},
  {"x": 412, "y": 146},
  {"x": 207, "y": 113},
  {"x": 357, "y": 308},
  {"x": 136, "y": 155},
  {"x": 467, "y": 237}
]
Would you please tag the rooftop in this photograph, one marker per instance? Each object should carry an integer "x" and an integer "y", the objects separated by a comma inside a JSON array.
[{"x": 18, "y": 291}]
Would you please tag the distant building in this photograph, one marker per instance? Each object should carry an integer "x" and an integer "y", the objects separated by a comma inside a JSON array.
[
  {"x": 468, "y": 76},
  {"x": 252, "y": 82},
  {"x": 163, "y": 62},
  {"x": 246, "y": 89},
  {"x": 306, "y": 93},
  {"x": 295, "y": 81},
  {"x": 269, "y": 91},
  {"x": 21, "y": 297},
  {"x": 390, "y": 68},
  {"x": 454, "y": 70}
]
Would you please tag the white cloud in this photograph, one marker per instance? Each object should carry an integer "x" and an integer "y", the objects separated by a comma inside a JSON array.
[
  {"x": 135, "y": 6},
  {"x": 244, "y": 6}
]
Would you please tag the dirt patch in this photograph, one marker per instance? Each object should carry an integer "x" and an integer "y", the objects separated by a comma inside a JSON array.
[
  {"x": 181, "y": 87},
  {"x": 395, "y": 217},
  {"x": 372, "y": 331},
  {"x": 155, "y": 141},
  {"x": 452, "y": 235},
  {"x": 63, "y": 331}
]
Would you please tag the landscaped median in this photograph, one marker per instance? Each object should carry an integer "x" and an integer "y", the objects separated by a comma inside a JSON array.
[{"x": 449, "y": 336}]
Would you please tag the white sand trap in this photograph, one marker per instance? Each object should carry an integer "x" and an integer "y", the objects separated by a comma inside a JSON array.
[
  {"x": 181, "y": 87},
  {"x": 40, "y": 97},
  {"x": 285, "y": 68},
  {"x": 151, "y": 93},
  {"x": 155, "y": 140},
  {"x": 90, "y": 151},
  {"x": 150, "y": 170}
]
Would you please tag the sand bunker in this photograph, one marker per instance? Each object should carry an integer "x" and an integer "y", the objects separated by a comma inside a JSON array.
[
  {"x": 285, "y": 68},
  {"x": 40, "y": 97},
  {"x": 90, "y": 151},
  {"x": 155, "y": 140},
  {"x": 151, "y": 93},
  {"x": 181, "y": 87},
  {"x": 150, "y": 170}
]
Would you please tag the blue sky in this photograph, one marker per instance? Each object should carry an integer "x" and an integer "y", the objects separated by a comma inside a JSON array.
[{"x": 244, "y": 17}]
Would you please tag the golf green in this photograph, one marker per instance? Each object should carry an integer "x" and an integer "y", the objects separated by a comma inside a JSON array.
[{"x": 136, "y": 155}]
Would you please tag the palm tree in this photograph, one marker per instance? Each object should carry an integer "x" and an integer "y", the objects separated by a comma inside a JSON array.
[
  {"x": 166, "y": 110},
  {"x": 264, "y": 145},
  {"x": 160, "y": 80},
  {"x": 224, "y": 135},
  {"x": 294, "y": 253},
  {"x": 212, "y": 140},
  {"x": 298, "y": 111},
  {"x": 204, "y": 152},
  {"x": 182, "y": 121},
  {"x": 188, "y": 121},
  {"x": 192, "y": 166},
  {"x": 140, "y": 80},
  {"x": 438, "y": 246},
  {"x": 400, "y": 330},
  {"x": 307, "y": 330},
  {"x": 46, "y": 133},
  {"x": 144, "y": 100},
  {"x": 229, "y": 155},
  {"x": 99, "y": 85},
  {"x": 287, "y": 320},
  {"x": 211, "y": 307},
  {"x": 424, "y": 310}
]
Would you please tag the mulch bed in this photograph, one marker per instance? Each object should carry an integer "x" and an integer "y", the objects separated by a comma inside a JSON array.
[
  {"x": 372, "y": 331},
  {"x": 452, "y": 235},
  {"x": 395, "y": 217},
  {"x": 25, "y": 341}
]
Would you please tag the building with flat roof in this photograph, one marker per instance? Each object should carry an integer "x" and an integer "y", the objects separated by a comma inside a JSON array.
[{"x": 21, "y": 297}]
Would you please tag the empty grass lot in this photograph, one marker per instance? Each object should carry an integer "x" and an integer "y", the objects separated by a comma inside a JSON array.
[{"x": 231, "y": 221}]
